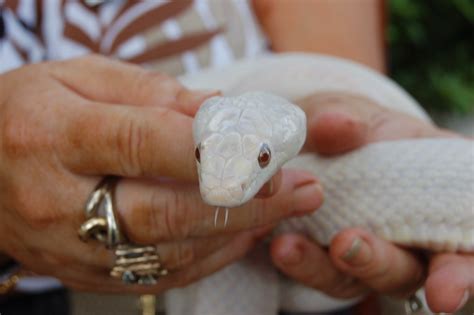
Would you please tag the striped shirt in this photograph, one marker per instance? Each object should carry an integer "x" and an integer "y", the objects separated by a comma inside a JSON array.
[{"x": 175, "y": 37}]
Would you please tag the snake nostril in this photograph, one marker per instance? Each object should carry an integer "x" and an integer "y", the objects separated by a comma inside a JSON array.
[{"x": 243, "y": 186}]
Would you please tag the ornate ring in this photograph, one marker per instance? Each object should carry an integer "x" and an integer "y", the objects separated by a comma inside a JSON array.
[
  {"x": 138, "y": 264},
  {"x": 134, "y": 264}
]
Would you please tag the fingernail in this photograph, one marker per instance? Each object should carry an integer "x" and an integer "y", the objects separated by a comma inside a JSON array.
[
  {"x": 358, "y": 254},
  {"x": 292, "y": 256},
  {"x": 307, "y": 198},
  {"x": 464, "y": 299}
]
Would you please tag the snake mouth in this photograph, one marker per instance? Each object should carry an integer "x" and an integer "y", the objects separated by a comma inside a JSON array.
[{"x": 221, "y": 197}]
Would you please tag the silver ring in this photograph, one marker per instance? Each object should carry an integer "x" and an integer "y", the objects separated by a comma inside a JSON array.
[{"x": 134, "y": 264}]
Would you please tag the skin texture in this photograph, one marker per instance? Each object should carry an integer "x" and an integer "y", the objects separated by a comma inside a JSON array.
[
  {"x": 358, "y": 262},
  {"x": 64, "y": 125}
]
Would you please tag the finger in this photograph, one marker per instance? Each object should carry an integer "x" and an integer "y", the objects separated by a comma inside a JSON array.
[
  {"x": 339, "y": 122},
  {"x": 235, "y": 249},
  {"x": 309, "y": 264},
  {"x": 173, "y": 255},
  {"x": 158, "y": 212},
  {"x": 336, "y": 122},
  {"x": 379, "y": 264},
  {"x": 335, "y": 132},
  {"x": 103, "y": 79},
  {"x": 450, "y": 282},
  {"x": 126, "y": 141},
  {"x": 271, "y": 187}
]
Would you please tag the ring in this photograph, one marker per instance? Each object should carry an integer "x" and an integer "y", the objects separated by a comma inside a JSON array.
[{"x": 134, "y": 264}]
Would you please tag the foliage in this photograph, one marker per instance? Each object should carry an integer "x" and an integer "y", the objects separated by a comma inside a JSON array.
[{"x": 431, "y": 44}]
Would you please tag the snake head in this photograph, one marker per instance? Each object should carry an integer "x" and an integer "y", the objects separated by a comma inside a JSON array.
[
  {"x": 241, "y": 142},
  {"x": 233, "y": 168}
]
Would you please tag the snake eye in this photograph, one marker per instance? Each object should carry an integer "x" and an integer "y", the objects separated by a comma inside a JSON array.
[
  {"x": 197, "y": 153},
  {"x": 264, "y": 156}
]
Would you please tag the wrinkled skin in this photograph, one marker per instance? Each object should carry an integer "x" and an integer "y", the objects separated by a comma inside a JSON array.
[{"x": 64, "y": 125}]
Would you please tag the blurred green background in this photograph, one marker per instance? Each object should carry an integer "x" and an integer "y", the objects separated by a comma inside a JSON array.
[{"x": 431, "y": 52}]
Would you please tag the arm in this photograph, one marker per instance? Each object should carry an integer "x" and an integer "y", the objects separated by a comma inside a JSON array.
[{"x": 344, "y": 28}]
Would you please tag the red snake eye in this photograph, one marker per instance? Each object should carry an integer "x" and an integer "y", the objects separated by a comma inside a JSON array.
[
  {"x": 197, "y": 154},
  {"x": 264, "y": 156}
]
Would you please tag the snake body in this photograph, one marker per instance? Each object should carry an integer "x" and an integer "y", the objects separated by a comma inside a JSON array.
[{"x": 417, "y": 192}]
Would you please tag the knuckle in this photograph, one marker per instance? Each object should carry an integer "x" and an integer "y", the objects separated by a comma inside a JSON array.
[
  {"x": 156, "y": 88},
  {"x": 134, "y": 138},
  {"x": 40, "y": 220},
  {"x": 161, "y": 218},
  {"x": 19, "y": 139},
  {"x": 176, "y": 216},
  {"x": 35, "y": 216},
  {"x": 130, "y": 145},
  {"x": 140, "y": 224},
  {"x": 377, "y": 272}
]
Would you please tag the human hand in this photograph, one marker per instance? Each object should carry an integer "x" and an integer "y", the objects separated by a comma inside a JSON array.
[
  {"x": 65, "y": 125},
  {"x": 358, "y": 261}
]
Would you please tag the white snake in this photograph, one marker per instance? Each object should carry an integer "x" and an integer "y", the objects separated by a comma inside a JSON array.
[{"x": 417, "y": 192}]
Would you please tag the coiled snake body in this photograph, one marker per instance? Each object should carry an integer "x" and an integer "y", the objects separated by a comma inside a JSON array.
[{"x": 417, "y": 192}]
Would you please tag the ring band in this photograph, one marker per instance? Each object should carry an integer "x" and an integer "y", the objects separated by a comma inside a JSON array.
[
  {"x": 134, "y": 264},
  {"x": 100, "y": 207}
]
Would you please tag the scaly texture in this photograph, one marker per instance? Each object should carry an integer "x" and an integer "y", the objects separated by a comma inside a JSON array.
[
  {"x": 416, "y": 192},
  {"x": 230, "y": 133}
]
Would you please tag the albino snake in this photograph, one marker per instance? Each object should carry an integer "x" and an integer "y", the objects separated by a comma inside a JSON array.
[{"x": 417, "y": 192}]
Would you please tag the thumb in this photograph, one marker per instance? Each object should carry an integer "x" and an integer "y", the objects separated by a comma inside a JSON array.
[
  {"x": 339, "y": 122},
  {"x": 379, "y": 264}
]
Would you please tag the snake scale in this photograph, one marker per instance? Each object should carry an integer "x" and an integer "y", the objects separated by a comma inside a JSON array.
[{"x": 417, "y": 192}]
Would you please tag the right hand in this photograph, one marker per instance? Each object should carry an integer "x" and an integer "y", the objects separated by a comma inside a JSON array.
[
  {"x": 65, "y": 125},
  {"x": 339, "y": 123}
]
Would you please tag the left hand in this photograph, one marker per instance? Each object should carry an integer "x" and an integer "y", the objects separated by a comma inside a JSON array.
[{"x": 358, "y": 261}]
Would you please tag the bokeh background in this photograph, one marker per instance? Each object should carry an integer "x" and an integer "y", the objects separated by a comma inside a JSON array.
[{"x": 431, "y": 52}]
